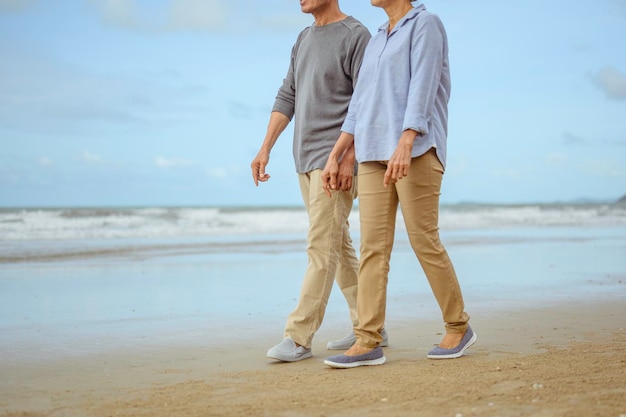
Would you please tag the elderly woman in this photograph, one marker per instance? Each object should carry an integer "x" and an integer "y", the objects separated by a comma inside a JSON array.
[{"x": 397, "y": 123}]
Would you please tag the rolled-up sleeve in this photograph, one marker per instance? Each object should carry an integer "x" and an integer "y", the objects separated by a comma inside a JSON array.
[
  {"x": 349, "y": 124},
  {"x": 427, "y": 54}
]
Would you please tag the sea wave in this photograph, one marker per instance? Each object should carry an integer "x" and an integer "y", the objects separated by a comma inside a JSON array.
[
  {"x": 61, "y": 224},
  {"x": 111, "y": 223},
  {"x": 80, "y": 233}
]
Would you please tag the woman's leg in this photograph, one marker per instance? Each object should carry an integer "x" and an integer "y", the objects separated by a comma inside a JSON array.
[
  {"x": 419, "y": 199},
  {"x": 377, "y": 210}
]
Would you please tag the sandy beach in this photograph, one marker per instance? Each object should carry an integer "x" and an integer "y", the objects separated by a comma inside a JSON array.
[
  {"x": 565, "y": 360},
  {"x": 132, "y": 333}
]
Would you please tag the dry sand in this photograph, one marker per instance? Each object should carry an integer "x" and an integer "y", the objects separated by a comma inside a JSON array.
[{"x": 566, "y": 360}]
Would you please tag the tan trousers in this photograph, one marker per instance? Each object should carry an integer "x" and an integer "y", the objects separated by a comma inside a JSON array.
[
  {"x": 331, "y": 257},
  {"x": 418, "y": 196}
]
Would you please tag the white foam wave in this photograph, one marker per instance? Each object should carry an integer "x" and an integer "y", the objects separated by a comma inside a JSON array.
[
  {"x": 76, "y": 224},
  {"x": 495, "y": 217},
  {"x": 145, "y": 223}
]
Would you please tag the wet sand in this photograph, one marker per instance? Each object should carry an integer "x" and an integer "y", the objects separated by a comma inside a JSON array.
[
  {"x": 563, "y": 360},
  {"x": 187, "y": 336}
]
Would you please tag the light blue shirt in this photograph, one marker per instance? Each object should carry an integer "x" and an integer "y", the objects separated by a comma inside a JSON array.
[{"x": 404, "y": 83}]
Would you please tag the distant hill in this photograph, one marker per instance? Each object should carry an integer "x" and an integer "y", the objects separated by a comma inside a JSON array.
[{"x": 622, "y": 200}]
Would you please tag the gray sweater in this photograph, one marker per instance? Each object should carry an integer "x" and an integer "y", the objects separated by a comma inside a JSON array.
[{"x": 325, "y": 62}]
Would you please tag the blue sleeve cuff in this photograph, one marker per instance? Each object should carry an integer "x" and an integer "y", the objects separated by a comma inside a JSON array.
[{"x": 348, "y": 126}]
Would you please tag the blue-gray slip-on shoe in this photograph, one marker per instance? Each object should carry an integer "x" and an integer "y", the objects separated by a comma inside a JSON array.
[
  {"x": 349, "y": 340},
  {"x": 373, "y": 357},
  {"x": 469, "y": 338},
  {"x": 288, "y": 351}
]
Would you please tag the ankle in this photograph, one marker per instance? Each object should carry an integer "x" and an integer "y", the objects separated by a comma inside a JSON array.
[
  {"x": 357, "y": 350},
  {"x": 451, "y": 340}
]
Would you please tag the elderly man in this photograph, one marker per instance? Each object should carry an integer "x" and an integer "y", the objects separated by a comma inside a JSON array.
[{"x": 316, "y": 92}]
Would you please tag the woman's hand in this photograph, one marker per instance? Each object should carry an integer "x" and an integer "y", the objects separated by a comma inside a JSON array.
[
  {"x": 345, "y": 176},
  {"x": 400, "y": 162}
]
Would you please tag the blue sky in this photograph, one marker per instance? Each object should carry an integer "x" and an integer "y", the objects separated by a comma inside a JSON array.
[{"x": 165, "y": 102}]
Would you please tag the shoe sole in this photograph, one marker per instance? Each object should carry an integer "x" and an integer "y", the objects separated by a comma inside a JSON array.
[
  {"x": 330, "y": 346},
  {"x": 285, "y": 359},
  {"x": 346, "y": 346},
  {"x": 459, "y": 353},
  {"x": 371, "y": 362}
]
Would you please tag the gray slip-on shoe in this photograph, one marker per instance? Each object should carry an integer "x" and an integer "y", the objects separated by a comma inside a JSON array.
[
  {"x": 288, "y": 351},
  {"x": 469, "y": 338},
  {"x": 373, "y": 357},
  {"x": 350, "y": 339}
]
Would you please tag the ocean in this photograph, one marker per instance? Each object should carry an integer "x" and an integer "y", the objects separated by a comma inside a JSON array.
[
  {"x": 56, "y": 234},
  {"x": 79, "y": 280}
]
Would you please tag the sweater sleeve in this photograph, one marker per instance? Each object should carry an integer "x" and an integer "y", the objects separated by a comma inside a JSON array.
[
  {"x": 285, "y": 101},
  {"x": 358, "y": 45}
]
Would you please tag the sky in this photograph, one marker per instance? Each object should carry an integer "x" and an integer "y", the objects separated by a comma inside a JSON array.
[{"x": 166, "y": 102}]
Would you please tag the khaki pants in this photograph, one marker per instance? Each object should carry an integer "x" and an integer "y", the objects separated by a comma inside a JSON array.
[
  {"x": 418, "y": 196},
  {"x": 331, "y": 257}
]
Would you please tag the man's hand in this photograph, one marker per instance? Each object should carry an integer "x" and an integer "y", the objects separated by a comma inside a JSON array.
[
  {"x": 278, "y": 122},
  {"x": 258, "y": 167},
  {"x": 329, "y": 176}
]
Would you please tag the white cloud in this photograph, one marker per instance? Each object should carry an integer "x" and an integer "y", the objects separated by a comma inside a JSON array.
[
  {"x": 202, "y": 15},
  {"x": 509, "y": 172},
  {"x": 199, "y": 15},
  {"x": 177, "y": 15},
  {"x": 90, "y": 157},
  {"x": 223, "y": 172},
  {"x": 16, "y": 5},
  {"x": 603, "y": 168},
  {"x": 555, "y": 158},
  {"x": 575, "y": 140},
  {"x": 37, "y": 92},
  {"x": 45, "y": 161},
  {"x": 612, "y": 82},
  {"x": 41, "y": 93},
  {"x": 218, "y": 173},
  {"x": 167, "y": 163},
  {"x": 291, "y": 19},
  {"x": 119, "y": 12}
]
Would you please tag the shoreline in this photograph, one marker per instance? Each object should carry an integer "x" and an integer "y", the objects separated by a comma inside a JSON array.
[
  {"x": 563, "y": 360},
  {"x": 186, "y": 335}
]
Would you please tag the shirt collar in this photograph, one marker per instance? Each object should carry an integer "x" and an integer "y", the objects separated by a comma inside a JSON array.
[{"x": 410, "y": 15}]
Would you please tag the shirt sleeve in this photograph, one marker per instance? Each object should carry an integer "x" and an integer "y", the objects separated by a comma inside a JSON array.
[
  {"x": 427, "y": 57},
  {"x": 349, "y": 123}
]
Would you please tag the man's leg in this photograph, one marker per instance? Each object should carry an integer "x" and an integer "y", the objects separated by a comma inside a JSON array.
[
  {"x": 327, "y": 222},
  {"x": 348, "y": 269}
]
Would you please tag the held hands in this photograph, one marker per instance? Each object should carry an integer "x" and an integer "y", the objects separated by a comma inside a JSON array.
[
  {"x": 338, "y": 175},
  {"x": 339, "y": 169}
]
